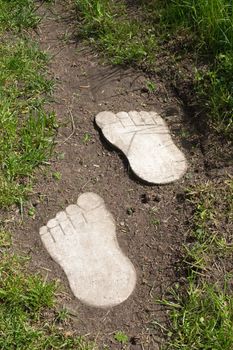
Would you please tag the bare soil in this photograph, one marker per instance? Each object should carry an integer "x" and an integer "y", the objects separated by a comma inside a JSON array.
[{"x": 152, "y": 221}]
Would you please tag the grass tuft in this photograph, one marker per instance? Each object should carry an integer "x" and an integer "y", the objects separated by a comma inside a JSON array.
[
  {"x": 27, "y": 318},
  {"x": 212, "y": 20},
  {"x": 134, "y": 34},
  {"x": 26, "y": 129},
  {"x": 107, "y": 25},
  {"x": 201, "y": 312},
  {"x": 210, "y": 23},
  {"x": 203, "y": 319},
  {"x": 17, "y": 15}
]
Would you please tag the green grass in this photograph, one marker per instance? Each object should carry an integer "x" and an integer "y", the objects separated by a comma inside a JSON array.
[
  {"x": 215, "y": 90},
  {"x": 26, "y": 129},
  {"x": 213, "y": 209},
  {"x": 202, "y": 319},
  {"x": 121, "y": 337},
  {"x": 28, "y": 318},
  {"x": 133, "y": 36},
  {"x": 201, "y": 313},
  {"x": 17, "y": 15},
  {"x": 210, "y": 23},
  {"x": 107, "y": 25}
]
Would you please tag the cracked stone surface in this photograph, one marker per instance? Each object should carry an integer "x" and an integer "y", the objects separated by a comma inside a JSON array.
[
  {"x": 145, "y": 140},
  {"x": 82, "y": 240}
]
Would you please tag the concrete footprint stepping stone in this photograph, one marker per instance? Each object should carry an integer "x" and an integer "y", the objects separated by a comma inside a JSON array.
[
  {"x": 82, "y": 240},
  {"x": 145, "y": 140}
]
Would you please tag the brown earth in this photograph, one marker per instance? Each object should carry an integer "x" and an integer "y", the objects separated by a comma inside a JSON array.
[{"x": 152, "y": 221}]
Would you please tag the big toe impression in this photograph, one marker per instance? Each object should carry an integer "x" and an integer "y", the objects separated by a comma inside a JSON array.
[
  {"x": 145, "y": 140},
  {"x": 82, "y": 240}
]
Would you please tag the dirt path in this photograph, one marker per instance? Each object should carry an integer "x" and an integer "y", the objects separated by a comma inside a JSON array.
[{"x": 151, "y": 220}]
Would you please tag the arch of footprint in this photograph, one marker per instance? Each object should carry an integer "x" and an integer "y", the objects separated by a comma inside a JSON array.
[{"x": 82, "y": 238}]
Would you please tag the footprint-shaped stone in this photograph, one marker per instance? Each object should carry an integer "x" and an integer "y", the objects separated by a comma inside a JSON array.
[
  {"x": 82, "y": 240},
  {"x": 146, "y": 141}
]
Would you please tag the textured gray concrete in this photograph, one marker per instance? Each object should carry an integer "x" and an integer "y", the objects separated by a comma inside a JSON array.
[
  {"x": 82, "y": 240},
  {"x": 146, "y": 141}
]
